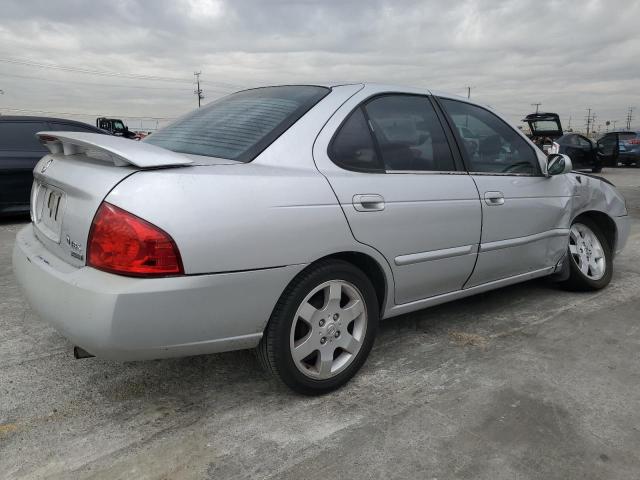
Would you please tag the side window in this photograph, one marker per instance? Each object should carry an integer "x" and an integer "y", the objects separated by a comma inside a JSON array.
[
  {"x": 494, "y": 146},
  {"x": 583, "y": 142},
  {"x": 352, "y": 147},
  {"x": 21, "y": 136},
  {"x": 409, "y": 134}
]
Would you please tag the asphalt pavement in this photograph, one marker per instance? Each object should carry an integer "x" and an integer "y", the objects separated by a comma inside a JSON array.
[{"x": 527, "y": 382}]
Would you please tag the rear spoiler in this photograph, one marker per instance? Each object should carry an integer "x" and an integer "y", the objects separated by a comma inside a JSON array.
[{"x": 120, "y": 151}]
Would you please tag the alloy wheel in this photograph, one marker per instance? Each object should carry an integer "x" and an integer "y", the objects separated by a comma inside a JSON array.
[
  {"x": 328, "y": 329},
  {"x": 587, "y": 251}
]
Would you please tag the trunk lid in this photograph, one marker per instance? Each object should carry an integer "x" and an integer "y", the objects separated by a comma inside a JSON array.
[{"x": 71, "y": 182}]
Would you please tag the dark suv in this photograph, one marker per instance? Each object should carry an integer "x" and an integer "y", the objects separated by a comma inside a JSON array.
[{"x": 20, "y": 150}]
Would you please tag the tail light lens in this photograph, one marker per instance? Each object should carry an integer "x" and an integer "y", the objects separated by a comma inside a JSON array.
[
  {"x": 634, "y": 141},
  {"x": 122, "y": 243}
]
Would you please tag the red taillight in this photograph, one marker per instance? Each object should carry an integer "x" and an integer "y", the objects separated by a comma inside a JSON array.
[
  {"x": 634, "y": 141},
  {"x": 119, "y": 242}
]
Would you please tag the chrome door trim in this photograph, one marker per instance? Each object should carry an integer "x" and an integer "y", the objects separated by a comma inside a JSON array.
[
  {"x": 516, "y": 242},
  {"x": 467, "y": 292},
  {"x": 427, "y": 172},
  {"x": 503, "y": 174},
  {"x": 434, "y": 255}
]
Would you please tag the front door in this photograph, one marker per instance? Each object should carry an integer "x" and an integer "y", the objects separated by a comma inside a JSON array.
[
  {"x": 402, "y": 192},
  {"x": 525, "y": 215}
]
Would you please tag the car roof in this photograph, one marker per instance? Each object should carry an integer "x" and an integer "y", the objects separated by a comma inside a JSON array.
[{"x": 29, "y": 118}]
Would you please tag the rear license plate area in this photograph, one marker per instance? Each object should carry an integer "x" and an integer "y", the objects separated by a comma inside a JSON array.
[{"x": 49, "y": 203}]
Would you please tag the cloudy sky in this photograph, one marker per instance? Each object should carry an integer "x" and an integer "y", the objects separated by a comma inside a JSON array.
[{"x": 135, "y": 59}]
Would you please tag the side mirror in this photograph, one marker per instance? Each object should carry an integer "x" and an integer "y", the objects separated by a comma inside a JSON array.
[{"x": 557, "y": 164}]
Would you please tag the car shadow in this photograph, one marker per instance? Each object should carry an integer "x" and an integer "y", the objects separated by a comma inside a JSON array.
[{"x": 204, "y": 378}]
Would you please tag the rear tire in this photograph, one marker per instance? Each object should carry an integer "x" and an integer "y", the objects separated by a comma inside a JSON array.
[
  {"x": 322, "y": 328},
  {"x": 590, "y": 257}
]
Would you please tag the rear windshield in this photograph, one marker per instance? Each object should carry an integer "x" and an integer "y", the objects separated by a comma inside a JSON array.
[
  {"x": 241, "y": 125},
  {"x": 545, "y": 125},
  {"x": 627, "y": 136}
]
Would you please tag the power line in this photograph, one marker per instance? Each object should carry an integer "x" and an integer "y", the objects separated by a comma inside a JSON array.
[
  {"x": 76, "y": 114},
  {"x": 105, "y": 73},
  {"x": 85, "y": 84}
]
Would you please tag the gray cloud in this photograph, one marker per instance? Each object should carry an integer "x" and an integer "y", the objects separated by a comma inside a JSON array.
[{"x": 568, "y": 55}]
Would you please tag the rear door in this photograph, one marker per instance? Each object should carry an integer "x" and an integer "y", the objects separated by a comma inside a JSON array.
[
  {"x": 403, "y": 192},
  {"x": 579, "y": 150},
  {"x": 525, "y": 215},
  {"x": 608, "y": 149},
  {"x": 20, "y": 150}
]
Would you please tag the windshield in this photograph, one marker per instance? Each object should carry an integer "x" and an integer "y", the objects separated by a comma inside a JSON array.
[
  {"x": 241, "y": 125},
  {"x": 118, "y": 125}
]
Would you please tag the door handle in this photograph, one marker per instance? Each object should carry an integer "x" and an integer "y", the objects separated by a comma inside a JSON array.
[
  {"x": 494, "y": 198},
  {"x": 368, "y": 203}
]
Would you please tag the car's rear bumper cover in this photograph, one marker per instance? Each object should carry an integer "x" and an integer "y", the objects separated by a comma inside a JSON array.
[{"x": 123, "y": 318}]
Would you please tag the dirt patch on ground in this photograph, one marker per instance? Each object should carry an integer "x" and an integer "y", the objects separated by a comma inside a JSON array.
[
  {"x": 473, "y": 339},
  {"x": 7, "y": 429}
]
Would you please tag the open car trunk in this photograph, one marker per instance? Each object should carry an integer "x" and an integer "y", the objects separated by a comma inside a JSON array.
[
  {"x": 544, "y": 125},
  {"x": 545, "y": 128}
]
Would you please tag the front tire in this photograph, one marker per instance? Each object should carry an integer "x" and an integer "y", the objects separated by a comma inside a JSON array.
[
  {"x": 590, "y": 257},
  {"x": 322, "y": 328}
]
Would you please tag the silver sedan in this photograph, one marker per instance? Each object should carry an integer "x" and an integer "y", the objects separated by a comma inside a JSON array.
[{"x": 291, "y": 219}]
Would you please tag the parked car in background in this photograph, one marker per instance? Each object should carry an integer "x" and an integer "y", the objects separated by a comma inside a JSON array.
[
  {"x": 116, "y": 127},
  {"x": 293, "y": 218},
  {"x": 20, "y": 150},
  {"x": 582, "y": 151},
  {"x": 628, "y": 146}
]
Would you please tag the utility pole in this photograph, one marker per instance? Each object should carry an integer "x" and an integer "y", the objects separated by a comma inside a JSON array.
[
  {"x": 468, "y": 92},
  {"x": 198, "y": 90},
  {"x": 629, "y": 118},
  {"x": 536, "y": 105},
  {"x": 588, "y": 121},
  {"x": 569, "y": 126},
  {"x": 614, "y": 124}
]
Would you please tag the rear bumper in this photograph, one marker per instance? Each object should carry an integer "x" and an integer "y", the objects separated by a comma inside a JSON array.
[{"x": 124, "y": 318}]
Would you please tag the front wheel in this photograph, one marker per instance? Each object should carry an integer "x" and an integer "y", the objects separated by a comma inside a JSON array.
[
  {"x": 590, "y": 256},
  {"x": 322, "y": 328}
]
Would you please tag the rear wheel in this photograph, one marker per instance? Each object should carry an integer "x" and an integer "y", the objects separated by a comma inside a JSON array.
[
  {"x": 590, "y": 257},
  {"x": 322, "y": 328}
]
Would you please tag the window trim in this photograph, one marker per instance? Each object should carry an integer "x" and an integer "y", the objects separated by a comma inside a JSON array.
[
  {"x": 457, "y": 160},
  {"x": 463, "y": 151}
]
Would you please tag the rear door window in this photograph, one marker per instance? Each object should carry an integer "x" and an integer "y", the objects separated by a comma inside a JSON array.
[
  {"x": 409, "y": 134},
  {"x": 241, "y": 125},
  {"x": 353, "y": 147},
  {"x": 21, "y": 136}
]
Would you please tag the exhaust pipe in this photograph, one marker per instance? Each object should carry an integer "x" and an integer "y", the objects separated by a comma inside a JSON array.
[{"x": 79, "y": 353}]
